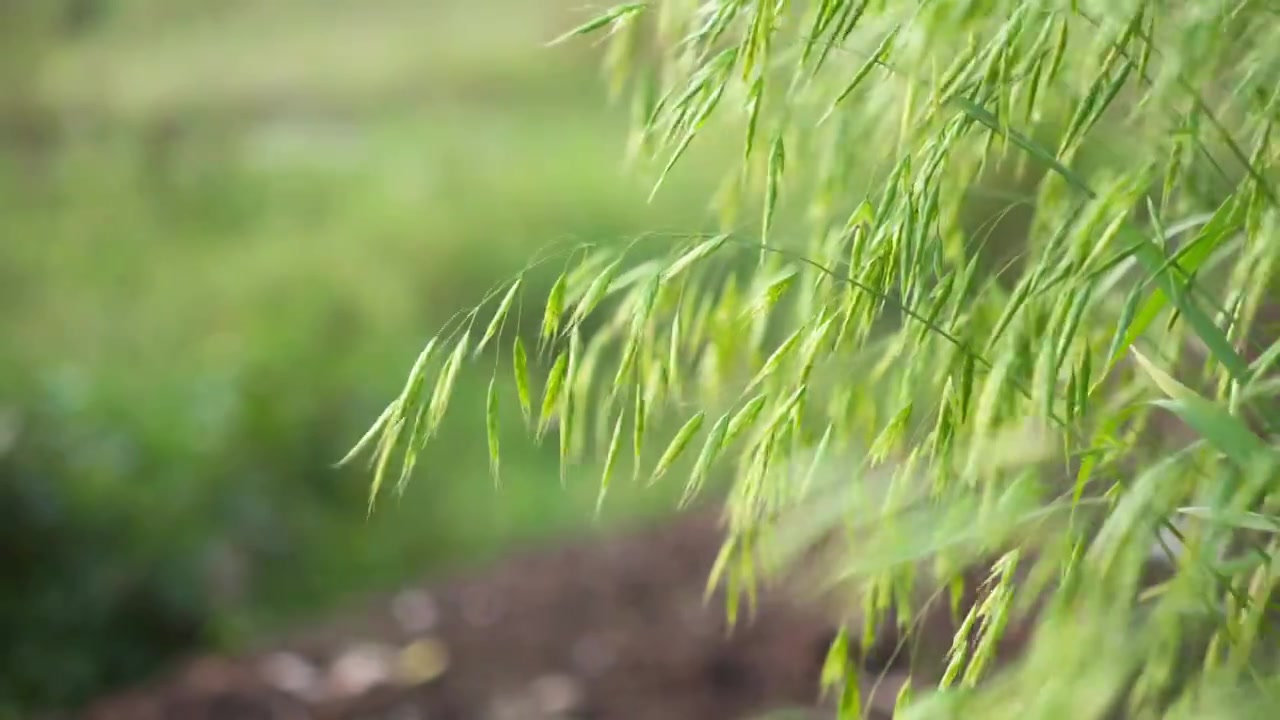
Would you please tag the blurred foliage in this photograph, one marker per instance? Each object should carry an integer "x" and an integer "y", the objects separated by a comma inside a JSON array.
[{"x": 224, "y": 230}]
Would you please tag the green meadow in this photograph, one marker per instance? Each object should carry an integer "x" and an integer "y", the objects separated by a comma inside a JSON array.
[{"x": 216, "y": 271}]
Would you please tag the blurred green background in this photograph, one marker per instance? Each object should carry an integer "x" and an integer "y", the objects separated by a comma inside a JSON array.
[{"x": 227, "y": 229}]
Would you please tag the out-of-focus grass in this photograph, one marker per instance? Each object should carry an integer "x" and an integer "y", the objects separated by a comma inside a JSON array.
[
  {"x": 160, "y": 57},
  {"x": 197, "y": 324}
]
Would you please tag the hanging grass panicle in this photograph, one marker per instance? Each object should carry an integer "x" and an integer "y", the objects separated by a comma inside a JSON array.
[{"x": 1058, "y": 215}]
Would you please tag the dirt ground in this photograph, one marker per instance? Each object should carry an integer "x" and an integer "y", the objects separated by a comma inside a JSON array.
[{"x": 598, "y": 628}]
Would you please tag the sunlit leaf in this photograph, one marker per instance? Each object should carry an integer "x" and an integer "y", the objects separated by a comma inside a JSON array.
[
  {"x": 693, "y": 255},
  {"x": 499, "y": 315},
  {"x": 677, "y": 446},
  {"x": 1225, "y": 431},
  {"x": 744, "y": 418},
  {"x": 444, "y": 386},
  {"x": 551, "y": 393},
  {"x": 370, "y": 435},
  {"x": 610, "y": 459},
  {"x": 1236, "y": 519},
  {"x": 773, "y": 183},
  {"x": 638, "y": 430},
  {"x": 520, "y": 363},
  {"x": 612, "y": 15},
  {"x": 491, "y": 427},
  {"x": 554, "y": 308},
  {"x": 710, "y": 451},
  {"x": 776, "y": 359},
  {"x": 594, "y": 293}
]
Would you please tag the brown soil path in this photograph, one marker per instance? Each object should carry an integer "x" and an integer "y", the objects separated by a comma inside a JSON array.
[{"x": 599, "y": 628}]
